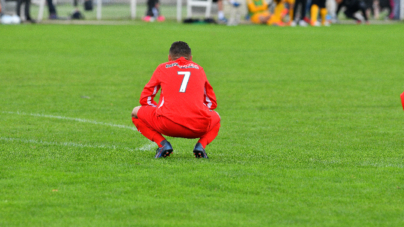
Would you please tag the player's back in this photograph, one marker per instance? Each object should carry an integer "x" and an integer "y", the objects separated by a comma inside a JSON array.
[{"x": 183, "y": 93}]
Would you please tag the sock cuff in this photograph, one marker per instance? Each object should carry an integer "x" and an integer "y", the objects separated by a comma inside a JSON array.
[{"x": 160, "y": 142}]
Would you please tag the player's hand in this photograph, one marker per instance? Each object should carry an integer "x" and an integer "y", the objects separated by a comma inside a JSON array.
[{"x": 134, "y": 111}]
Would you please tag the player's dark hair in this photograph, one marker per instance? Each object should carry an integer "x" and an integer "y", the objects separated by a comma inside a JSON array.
[{"x": 180, "y": 49}]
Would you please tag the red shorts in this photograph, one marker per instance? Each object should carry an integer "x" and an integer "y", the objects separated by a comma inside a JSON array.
[
  {"x": 402, "y": 99},
  {"x": 165, "y": 126}
]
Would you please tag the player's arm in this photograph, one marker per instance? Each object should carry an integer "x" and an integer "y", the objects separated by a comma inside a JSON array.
[
  {"x": 150, "y": 91},
  {"x": 254, "y": 9},
  {"x": 210, "y": 97}
]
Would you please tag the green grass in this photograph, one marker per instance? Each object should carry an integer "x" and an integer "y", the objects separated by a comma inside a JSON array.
[{"x": 312, "y": 127}]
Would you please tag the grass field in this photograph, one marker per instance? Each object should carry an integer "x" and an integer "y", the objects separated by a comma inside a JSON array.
[{"x": 312, "y": 127}]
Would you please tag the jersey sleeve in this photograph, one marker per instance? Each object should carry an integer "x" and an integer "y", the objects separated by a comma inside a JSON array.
[
  {"x": 150, "y": 91},
  {"x": 210, "y": 97}
]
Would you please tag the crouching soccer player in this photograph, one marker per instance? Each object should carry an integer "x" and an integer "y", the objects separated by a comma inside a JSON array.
[{"x": 186, "y": 104}]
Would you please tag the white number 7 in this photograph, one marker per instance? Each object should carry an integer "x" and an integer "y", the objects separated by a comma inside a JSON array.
[{"x": 184, "y": 83}]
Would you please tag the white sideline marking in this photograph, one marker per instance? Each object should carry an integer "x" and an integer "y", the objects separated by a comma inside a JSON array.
[
  {"x": 67, "y": 144},
  {"x": 147, "y": 147},
  {"x": 72, "y": 119}
]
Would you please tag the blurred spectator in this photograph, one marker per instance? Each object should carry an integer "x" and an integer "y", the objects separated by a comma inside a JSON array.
[
  {"x": 389, "y": 4},
  {"x": 291, "y": 8},
  {"x": 153, "y": 11},
  {"x": 258, "y": 11},
  {"x": 395, "y": 4},
  {"x": 52, "y": 10},
  {"x": 353, "y": 6},
  {"x": 331, "y": 6},
  {"x": 379, "y": 5},
  {"x": 234, "y": 10},
  {"x": 341, "y": 3},
  {"x": 280, "y": 11},
  {"x": 315, "y": 7},
  {"x": 27, "y": 4},
  {"x": 299, "y": 21},
  {"x": 276, "y": 18},
  {"x": 220, "y": 14},
  {"x": 369, "y": 7}
]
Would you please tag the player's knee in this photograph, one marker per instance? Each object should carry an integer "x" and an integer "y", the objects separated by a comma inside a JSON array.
[{"x": 135, "y": 110}]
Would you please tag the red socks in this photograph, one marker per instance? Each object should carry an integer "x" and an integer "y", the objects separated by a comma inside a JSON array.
[
  {"x": 402, "y": 99},
  {"x": 209, "y": 136},
  {"x": 149, "y": 133}
]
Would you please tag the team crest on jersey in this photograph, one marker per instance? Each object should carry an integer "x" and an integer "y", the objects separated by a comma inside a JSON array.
[{"x": 182, "y": 66}]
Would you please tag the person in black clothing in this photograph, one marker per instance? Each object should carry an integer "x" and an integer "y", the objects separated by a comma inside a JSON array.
[
  {"x": 153, "y": 11},
  {"x": 340, "y": 4},
  {"x": 300, "y": 21},
  {"x": 52, "y": 10},
  {"x": 353, "y": 6},
  {"x": 152, "y": 8},
  {"x": 26, "y": 9}
]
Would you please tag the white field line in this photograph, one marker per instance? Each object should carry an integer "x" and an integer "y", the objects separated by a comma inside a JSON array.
[
  {"x": 71, "y": 119},
  {"x": 147, "y": 147},
  {"x": 382, "y": 164},
  {"x": 66, "y": 144}
]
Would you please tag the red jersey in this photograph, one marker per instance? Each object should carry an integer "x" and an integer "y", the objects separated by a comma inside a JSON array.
[{"x": 186, "y": 96}]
